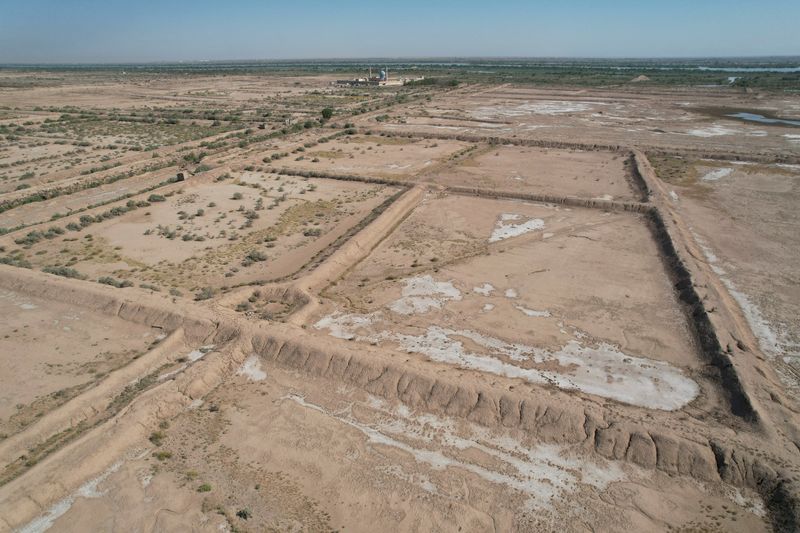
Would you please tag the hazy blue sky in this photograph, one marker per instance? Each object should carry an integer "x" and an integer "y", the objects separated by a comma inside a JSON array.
[{"x": 42, "y": 31}]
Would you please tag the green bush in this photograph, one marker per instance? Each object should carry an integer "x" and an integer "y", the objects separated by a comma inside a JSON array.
[
  {"x": 15, "y": 261},
  {"x": 256, "y": 255},
  {"x": 205, "y": 293},
  {"x": 64, "y": 272},
  {"x": 108, "y": 280}
]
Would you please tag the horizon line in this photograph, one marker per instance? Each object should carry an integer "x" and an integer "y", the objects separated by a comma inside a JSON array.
[{"x": 398, "y": 58}]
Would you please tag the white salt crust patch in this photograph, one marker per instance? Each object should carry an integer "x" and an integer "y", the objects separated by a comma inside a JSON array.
[
  {"x": 543, "y": 473},
  {"x": 486, "y": 289},
  {"x": 602, "y": 370},
  {"x": 716, "y": 175},
  {"x": 532, "y": 312},
  {"x": 506, "y": 228},
  {"x": 423, "y": 293},
  {"x": 88, "y": 490},
  {"x": 252, "y": 369},
  {"x": 770, "y": 340},
  {"x": 713, "y": 131},
  {"x": 545, "y": 107}
]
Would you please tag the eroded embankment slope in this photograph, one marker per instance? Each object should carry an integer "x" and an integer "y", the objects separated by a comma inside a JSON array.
[{"x": 547, "y": 417}]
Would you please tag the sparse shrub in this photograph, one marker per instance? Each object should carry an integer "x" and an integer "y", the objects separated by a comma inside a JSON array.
[
  {"x": 205, "y": 293},
  {"x": 256, "y": 255},
  {"x": 156, "y": 198},
  {"x": 64, "y": 272},
  {"x": 108, "y": 280},
  {"x": 15, "y": 261},
  {"x": 205, "y": 487},
  {"x": 157, "y": 437}
]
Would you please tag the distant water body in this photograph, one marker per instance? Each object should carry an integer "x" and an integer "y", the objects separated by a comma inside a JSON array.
[
  {"x": 754, "y": 117},
  {"x": 751, "y": 69}
]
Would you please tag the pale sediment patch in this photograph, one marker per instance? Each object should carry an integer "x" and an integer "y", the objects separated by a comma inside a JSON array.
[
  {"x": 792, "y": 137},
  {"x": 506, "y": 229},
  {"x": 751, "y": 504},
  {"x": 511, "y": 293},
  {"x": 532, "y": 312},
  {"x": 344, "y": 325},
  {"x": 601, "y": 370},
  {"x": 543, "y": 473},
  {"x": 713, "y": 131},
  {"x": 717, "y": 174},
  {"x": 192, "y": 357},
  {"x": 423, "y": 293},
  {"x": 252, "y": 369},
  {"x": 487, "y": 307},
  {"x": 18, "y": 300},
  {"x": 674, "y": 196},
  {"x": 768, "y": 339},
  {"x": 546, "y": 107},
  {"x": 486, "y": 289},
  {"x": 87, "y": 490},
  {"x": 196, "y": 355},
  {"x": 196, "y": 403}
]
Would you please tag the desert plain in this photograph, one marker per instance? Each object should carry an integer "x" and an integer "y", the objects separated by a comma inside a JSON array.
[{"x": 249, "y": 302}]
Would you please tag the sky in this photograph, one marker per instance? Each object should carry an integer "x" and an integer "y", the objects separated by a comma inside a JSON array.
[{"x": 119, "y": 31}]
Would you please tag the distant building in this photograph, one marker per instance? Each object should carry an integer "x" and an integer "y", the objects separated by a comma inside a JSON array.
[{"x": 381, "y": 80}]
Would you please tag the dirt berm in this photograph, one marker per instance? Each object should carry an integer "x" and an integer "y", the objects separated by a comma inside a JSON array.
[{"x": 547, "y": 419}]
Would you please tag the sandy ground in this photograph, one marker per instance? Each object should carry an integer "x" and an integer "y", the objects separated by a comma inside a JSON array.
[
  {"x": 396, "y": 358},
  {"x": 343, "y": 460},
  {"x": 655, "y": 118},
  {"x": 201, "y": 235},
  {"x": 525, "y": 286},
  {"x": 594, "y": 175},
  {"x": 375, "y": 156},
  {"x": 745, "y": 222},
  {"x": 52, "y": 352}
]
